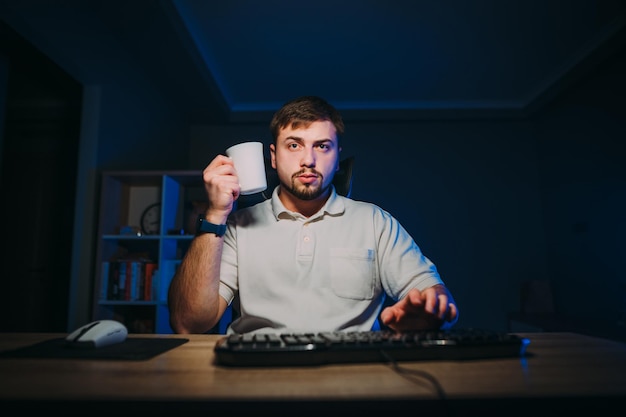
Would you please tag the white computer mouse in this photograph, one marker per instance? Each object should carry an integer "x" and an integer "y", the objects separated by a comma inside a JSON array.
[{"x": 98, "y": 334}]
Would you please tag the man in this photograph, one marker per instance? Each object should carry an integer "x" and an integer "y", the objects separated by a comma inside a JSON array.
[{"x": 306, "y": 260}]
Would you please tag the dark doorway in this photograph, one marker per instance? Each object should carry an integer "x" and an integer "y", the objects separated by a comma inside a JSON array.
[{"x": 37, "y": 187}]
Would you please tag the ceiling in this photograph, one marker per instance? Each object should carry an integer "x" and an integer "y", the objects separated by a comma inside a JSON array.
[{"x": 239, "y": 60}]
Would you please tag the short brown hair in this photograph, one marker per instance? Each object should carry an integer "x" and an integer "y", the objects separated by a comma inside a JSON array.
[{"x": 304, "y": 111}]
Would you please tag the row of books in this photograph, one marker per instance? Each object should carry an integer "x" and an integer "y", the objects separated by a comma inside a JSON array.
[{"x": 129, "y": 280}]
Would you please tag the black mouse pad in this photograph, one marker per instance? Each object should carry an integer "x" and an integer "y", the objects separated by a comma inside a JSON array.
[{"x": 132, "y": 349}]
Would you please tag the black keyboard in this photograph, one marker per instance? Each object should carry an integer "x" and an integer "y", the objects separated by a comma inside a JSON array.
[{"x": 302, "y": 349}]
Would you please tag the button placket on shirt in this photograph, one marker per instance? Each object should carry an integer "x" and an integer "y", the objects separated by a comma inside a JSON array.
[{"x": 307, "y": 241}]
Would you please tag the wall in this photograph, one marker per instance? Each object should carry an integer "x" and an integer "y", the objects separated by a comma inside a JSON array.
[{"x": 582, "y": 148}]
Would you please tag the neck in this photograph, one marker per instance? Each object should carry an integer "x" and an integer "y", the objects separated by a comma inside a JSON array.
[{"x": 305, "y": 207}]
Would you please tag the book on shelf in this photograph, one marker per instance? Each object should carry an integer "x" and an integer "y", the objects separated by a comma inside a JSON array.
[
  {"x": 127, "y": 280},
  {"x": 148, "y": 285}
]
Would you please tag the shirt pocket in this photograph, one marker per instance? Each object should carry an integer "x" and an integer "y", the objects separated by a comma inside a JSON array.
[{"x": 352, "y": 272}]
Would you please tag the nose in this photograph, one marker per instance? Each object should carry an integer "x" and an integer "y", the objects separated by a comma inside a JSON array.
[{"x": 308, "y": 158}]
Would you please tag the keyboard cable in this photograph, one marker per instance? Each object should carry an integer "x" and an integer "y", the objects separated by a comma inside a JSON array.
[{"x": 414, "y": 374}]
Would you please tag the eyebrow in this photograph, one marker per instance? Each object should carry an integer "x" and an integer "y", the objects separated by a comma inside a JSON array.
[{"x": 316, "y": 142}]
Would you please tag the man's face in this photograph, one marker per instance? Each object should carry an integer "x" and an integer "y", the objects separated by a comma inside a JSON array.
[{"x": 306, "y": 159}]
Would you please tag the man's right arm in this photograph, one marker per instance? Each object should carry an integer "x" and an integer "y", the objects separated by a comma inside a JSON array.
[
  {"x": 194, "y": 301},
  {"x": 193, "y": 298}
]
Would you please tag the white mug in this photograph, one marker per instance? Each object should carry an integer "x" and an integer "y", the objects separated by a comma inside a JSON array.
[{"x": 250, "y": 165}]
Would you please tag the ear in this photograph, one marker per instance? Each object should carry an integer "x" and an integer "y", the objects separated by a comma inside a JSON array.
[{"x": 273, "y": 155}]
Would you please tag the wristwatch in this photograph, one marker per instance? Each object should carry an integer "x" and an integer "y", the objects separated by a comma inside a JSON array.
[{"x": 203, "y": 226}]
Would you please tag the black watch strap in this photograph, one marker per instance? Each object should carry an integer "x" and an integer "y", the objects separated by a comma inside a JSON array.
[{"x": 204, "y": 226}]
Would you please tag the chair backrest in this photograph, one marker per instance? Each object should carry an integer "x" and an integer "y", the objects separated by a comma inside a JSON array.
[
  {"x": 343, "y": 177},
  {"x": 342, "y": 182}
]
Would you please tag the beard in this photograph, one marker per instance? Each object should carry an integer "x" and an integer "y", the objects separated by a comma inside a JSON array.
[{"x": 305, "y": 191}]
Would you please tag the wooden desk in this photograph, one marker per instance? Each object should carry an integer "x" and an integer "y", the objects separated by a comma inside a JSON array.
[{"x": 565, "y": 372}]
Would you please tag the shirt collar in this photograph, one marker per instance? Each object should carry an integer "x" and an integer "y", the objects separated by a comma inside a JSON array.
[{"x": 334, "y": 206}]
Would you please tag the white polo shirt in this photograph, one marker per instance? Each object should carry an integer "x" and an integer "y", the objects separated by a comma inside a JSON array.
[{"x": 327, "y": 272}]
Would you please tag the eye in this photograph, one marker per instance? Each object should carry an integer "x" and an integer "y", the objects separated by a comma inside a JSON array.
[
  {"x": 292, "y": 145},
  {"x": 325, "y": 147}
]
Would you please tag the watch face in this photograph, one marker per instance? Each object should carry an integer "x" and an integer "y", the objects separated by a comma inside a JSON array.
[{"x": 151, "y": 219}]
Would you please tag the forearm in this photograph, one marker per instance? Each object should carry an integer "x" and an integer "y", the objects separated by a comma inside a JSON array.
[{"x": 194, "y": 301}]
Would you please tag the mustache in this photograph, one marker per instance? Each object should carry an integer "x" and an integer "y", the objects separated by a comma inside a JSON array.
[{"x": 307, "y": 171}]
